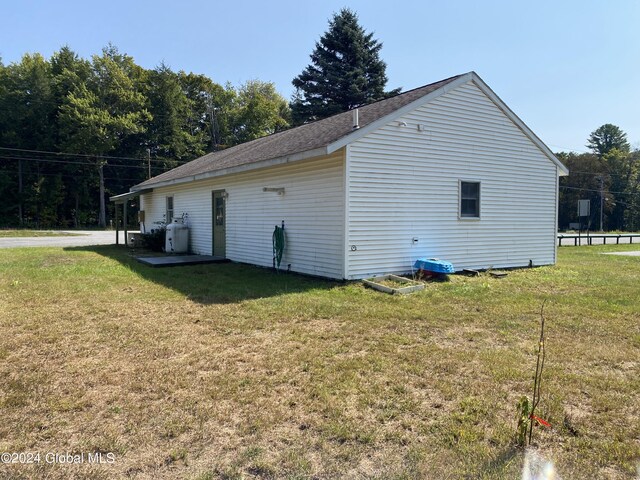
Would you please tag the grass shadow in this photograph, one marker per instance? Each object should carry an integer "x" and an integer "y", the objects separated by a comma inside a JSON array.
[
  {"x": 214, "y": 283},
  {"x": 507, "y": 461}
]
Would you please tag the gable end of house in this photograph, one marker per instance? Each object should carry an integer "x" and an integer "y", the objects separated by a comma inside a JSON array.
[{"x": 424, "y": 100}]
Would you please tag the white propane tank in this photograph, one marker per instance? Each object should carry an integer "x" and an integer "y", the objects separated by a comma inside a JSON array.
[{"x": 177, "y": 238}]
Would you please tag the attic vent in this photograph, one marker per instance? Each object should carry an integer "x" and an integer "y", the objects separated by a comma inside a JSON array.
[{"x": 356, "y": 120}]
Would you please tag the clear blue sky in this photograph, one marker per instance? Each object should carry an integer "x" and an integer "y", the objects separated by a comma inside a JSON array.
[{"x": 564, "y": 66}]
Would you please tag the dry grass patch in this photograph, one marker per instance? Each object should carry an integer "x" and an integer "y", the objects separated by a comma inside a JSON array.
[{"x": 230, "y": 371}]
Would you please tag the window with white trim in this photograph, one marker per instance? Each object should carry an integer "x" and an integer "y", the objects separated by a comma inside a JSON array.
[{"x": 469, "y": 199}]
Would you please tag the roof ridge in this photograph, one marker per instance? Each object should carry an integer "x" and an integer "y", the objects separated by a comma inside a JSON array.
[
  {"x": 334, "y": 115},
  {"x": 449, "y": 79},
  {"x": 372, "y": 103}
]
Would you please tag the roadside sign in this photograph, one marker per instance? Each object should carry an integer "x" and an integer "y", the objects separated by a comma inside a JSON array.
[{"x": 584, "y": 208}]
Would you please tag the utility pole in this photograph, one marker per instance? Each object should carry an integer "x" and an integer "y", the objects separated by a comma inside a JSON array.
[
  {"x": 102, "y": 214},
  {"x": 601, "y": 203},
  {"x": 149, "y": 161},
  {"x": 20, "y": 196},
  {"x": 214, "y": 136}
]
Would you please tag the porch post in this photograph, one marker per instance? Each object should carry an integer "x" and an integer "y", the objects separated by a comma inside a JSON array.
[
  {"x": 126, "y": 240},
  {"x": 117, "y": 229}
]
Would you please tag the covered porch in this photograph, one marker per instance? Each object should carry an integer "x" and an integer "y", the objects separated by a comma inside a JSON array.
[{"x": 123, "y": 200}]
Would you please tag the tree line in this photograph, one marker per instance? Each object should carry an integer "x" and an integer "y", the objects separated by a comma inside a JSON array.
[
  {"x": 74, "y": 131},
  {"x": 608, "y": 176}
]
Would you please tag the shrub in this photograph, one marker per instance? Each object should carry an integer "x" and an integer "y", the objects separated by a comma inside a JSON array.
[{"x": 155, "y": 239}]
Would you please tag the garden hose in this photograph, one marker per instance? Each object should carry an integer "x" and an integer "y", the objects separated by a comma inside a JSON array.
[{"x": 278, "y": 245}]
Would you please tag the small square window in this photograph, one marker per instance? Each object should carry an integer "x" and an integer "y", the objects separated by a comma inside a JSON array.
[{"x": 469, "y": 199}]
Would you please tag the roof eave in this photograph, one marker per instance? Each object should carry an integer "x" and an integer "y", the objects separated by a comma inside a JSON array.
[
  {"x": 562, "y": 170},
  {"x": 240, "y": 168},
  {"x": 123, "y": 197},
  {"x": 359, "y": 133}
]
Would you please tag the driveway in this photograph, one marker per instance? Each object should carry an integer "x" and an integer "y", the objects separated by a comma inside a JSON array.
[
  {"x": 76, "y": 238},
  {"x": 630, "y": 254}
]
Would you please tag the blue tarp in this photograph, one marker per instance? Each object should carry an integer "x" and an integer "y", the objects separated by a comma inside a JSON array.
[{"x": 434, "y": 265}]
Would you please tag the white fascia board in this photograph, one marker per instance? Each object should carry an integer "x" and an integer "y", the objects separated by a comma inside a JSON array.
[
  {"x": 123, "y": 197},
  {"x": 562, "y": 170},
  {"x": 240, "y": 168},
  {"x": 361, "y": 132}
]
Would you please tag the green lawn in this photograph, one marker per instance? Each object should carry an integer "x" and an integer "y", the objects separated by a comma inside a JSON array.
[
  {"x": 231, "y": 371},
  {"x": 36, "y": 233}
]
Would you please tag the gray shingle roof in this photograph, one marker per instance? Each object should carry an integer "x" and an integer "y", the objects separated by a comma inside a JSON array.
[{"x": 295, "y": 140}]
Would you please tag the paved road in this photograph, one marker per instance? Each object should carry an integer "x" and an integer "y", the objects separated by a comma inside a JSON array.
[
  {"x": 630, "y": 254},
  {"x": 78, "y": 239},
  {"x": 90, "y": 237}
]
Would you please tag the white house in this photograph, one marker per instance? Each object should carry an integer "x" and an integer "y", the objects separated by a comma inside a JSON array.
[{"x": 446, "y": 170}]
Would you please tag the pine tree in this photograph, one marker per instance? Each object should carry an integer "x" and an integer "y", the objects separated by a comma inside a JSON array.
[
  {"x": 606, "y": 138},
  {"x": 345, "y": 72}
]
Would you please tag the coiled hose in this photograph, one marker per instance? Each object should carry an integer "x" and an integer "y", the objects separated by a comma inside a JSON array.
[{"x": 278, "y": 245}]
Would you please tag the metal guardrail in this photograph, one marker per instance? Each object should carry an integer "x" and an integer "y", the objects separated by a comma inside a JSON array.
[{"x": 588, "y": 239}]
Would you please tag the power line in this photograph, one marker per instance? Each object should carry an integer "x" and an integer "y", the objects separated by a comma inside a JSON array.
[
  {"x": 72, "y": 162},
  {"x": 598, "y": 191},
  {"x": 71, "y": 176},
  {"x": 86, "y": 155},
  {"x": 569, "y": 149},
  {"x": 599, "y": 174}
]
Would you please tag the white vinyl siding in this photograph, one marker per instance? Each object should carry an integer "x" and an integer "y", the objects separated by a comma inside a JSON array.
[
  {"x": 312, "y": 208},
  {"x": 403, "y": 183},
  {"x": 154, "y": 207}
]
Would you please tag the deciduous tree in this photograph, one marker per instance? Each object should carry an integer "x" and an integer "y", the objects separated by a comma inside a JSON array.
[
  {"x": 70, "y": 127},
  {"x": 102, "y": 113},
  {"x": 259, "y": 110},
  {"x": 171, "y": 135}
]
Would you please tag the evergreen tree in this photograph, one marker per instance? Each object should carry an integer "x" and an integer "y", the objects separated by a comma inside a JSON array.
[
  {"x": 606, "y": 138},
  {"x": 345, "y": 72}
]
